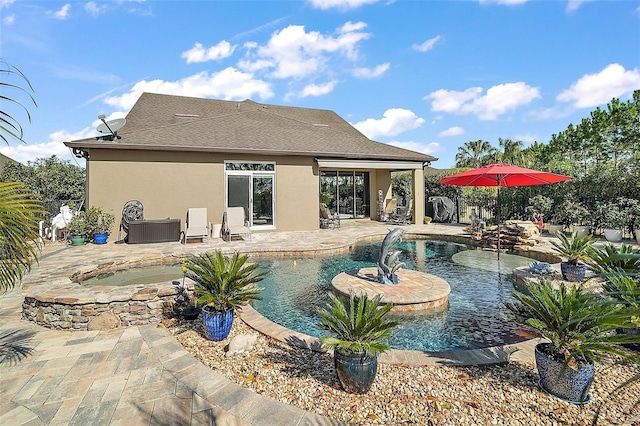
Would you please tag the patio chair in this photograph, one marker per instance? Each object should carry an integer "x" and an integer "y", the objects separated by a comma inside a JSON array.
[
  {"x": 196, "y": 225},
  {"x": 389, "y": 209},
  {"x": 234, "y": 222},
  {"x": 328, "y": 220},
  {"x": 403, "y": 214}
]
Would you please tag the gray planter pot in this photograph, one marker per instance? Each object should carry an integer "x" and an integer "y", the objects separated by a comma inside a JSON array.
[
  {"x": 613, "y": 235},
  {"x": 582, "y": 231},
  {"x": 637, "y": 232},
  {"x": 355, "y": 372},
  {"x": 561, "y": 381}
]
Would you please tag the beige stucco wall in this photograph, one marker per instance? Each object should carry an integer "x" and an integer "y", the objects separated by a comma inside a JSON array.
[{"x": 168, "y": 183}]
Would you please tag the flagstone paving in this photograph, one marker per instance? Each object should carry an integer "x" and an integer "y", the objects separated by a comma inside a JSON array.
[{"x": 141, "y": 375}]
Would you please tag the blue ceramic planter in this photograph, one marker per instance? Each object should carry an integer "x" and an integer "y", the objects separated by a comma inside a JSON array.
[
  {"x": 573, "y": 273},
  {"x": 100, "y": 238},
  {"x": 561, "y": 381},
  {"x": 217, "y": 325},
  {"x": 355, "y": 372}
]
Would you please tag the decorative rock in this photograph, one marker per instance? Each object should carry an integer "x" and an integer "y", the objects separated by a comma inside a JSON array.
[
  {"x": 104, "y": 321},
  {"x": 241, "y": 343}
]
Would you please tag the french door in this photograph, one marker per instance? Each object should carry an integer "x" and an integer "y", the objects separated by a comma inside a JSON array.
[{"x": 251, "y": 186}]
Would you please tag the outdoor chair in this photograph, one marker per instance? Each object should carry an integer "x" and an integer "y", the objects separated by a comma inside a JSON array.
[
  {"x": 328, "y": 220},
  {"x": 389, "y": 209},
  {"x": 234, "y": 222},
  {"x": 403, "y": 214},
  {"x": 197, "y": 225}
]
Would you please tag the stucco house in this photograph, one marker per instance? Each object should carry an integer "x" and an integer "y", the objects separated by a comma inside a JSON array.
[{"x": 177, "y": 152}]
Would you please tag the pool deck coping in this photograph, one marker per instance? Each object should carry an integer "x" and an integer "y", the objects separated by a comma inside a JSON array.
[{"x": 142, "y": 374}]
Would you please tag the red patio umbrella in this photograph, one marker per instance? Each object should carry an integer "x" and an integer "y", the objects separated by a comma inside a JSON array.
[{"x": 502, "y": 175}]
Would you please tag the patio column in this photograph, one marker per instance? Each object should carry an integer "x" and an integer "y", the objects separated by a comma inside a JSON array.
[{"x": 418, "y": 195}]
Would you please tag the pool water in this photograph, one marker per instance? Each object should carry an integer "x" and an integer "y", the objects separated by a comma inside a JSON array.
[
  {"x": 473, "y": 319},
  {"x": 133, "y": 276}
]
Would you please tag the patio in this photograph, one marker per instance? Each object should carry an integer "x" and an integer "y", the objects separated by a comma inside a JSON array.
[{"x": 142, "y": 374}]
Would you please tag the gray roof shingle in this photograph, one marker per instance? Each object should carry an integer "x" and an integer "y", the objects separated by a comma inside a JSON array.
[{"x": 179, "y": 123}]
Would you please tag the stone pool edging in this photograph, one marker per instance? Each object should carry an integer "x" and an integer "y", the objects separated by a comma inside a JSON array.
[{"x": 54, "y": 299}]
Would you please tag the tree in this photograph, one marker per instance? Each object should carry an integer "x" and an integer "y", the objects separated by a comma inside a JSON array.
[
  {"x": 19, "y": 208},
  {"x": 511, "y": 151},
  {"x": 19, "y": 239},
  {"x": 53, "y": 180},
  {"x": 9, "y": 126},
  {"x": 475, "y": 154}
]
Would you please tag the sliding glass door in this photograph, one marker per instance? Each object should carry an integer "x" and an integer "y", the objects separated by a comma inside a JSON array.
[
  {"x": 251, "y": 185},
  {"x": 346, "y": 193}
]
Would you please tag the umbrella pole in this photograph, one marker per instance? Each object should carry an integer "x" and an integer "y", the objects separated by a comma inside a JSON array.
[{"x": 498, "y": 221}]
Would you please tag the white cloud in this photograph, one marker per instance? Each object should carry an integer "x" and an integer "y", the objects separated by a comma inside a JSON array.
[
  {"x": 31, "y": 152},
  {"x": 6, "y": 3},
  {"x": 63, "y": 13},
  {"x": 498, "y": 100},
  {"x": 429, "y": 148},
  {"x": 92, "y": 8},
  {"x": 452, "y": 131},
  {"x": 293, "y": 52},
  {"x": 371, "y": 72},
  {"x": 573, "y": 5},
  {"x": 9, "y": 19},
  {"x": 504, "y": 2},
  {"x": 526, "y": 138},
  {"x": 318, "y": 89},
  {"x": 597, "y": 89},
  {"x": 427, "y": 45},
  {"x": 393, "y": 122},
  {"x": 228, "y": 84},
  {"x": 214, "y": 53},
  {"x": 339, "y": 4}
]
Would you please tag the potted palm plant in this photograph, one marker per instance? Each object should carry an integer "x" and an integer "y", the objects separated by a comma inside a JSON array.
[
  {"x": 575, "y": 250},
  {"x": 99, "y": 223},
  {"x": 222, "y": 284},
  {"x": 580, "y": 327},
  {"x": 359, "y": 332}
]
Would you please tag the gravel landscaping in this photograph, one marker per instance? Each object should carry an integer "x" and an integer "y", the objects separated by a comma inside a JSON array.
[{"x": 442, "y": 395}]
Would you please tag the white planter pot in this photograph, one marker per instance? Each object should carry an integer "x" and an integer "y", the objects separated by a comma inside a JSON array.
[
  {"x": 613, "y": 235},
  {"x": 637, "y": 232},
  {"x": 582, "y": 231}
]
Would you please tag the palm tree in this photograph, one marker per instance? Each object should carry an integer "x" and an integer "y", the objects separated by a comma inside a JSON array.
[
  {"x": 20, "y": 209},
  {"x": 9, "y": 126},
  {"x": 511, "y": 151},
  {"x": 475, "y": 154}
]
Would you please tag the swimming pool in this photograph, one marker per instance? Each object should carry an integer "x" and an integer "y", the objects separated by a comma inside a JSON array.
[{"x": 474, "y": 317}]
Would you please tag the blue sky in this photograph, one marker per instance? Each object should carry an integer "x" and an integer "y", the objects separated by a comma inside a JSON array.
[{"x": 423, "y": 75}]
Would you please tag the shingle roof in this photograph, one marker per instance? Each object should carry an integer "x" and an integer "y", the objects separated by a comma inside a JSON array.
[{"x": 179, "y": 123}]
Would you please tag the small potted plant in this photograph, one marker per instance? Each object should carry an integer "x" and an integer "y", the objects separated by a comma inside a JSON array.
[
  {"x": 583, "y": 221},
  {"x": 359, "y": 332},
  {"x": 611, "y": 219},
  {"x": 78, "y": 228},
  {"x": 222, "y": 285},
  {"x": 99, "y": 223},
  {"x": 580, "y": 326},
  {"x": 575, "y": 250}
]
